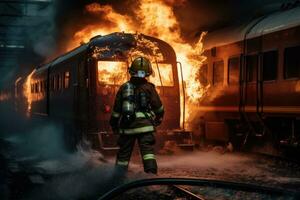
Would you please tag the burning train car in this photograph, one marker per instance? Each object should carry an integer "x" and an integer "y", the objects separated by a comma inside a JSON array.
[
  {"x": 253, "y": 76},
  {"x": 78, "y": 88}
]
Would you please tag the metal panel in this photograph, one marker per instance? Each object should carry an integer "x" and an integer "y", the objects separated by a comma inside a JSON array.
[
  {"x": 277, "y": 21},
  {"x": 216, "y": 131}
]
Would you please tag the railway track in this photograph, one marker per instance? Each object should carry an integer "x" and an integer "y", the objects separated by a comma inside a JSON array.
[
  {"x": 275, "y": 158},
  {"x": 185, "y": 193}
]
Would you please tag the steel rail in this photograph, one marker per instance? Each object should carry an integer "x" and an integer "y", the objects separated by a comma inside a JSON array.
[
  {"x": 198, "y": 182},
  {"x": 189, "y": 194}
]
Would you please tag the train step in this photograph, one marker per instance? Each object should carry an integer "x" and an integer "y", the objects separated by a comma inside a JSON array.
[{"x": 184, "y": 139}]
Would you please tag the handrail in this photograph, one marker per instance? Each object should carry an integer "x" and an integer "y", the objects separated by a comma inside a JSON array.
[
  {"x": 183, "y": 92},
  {"x": 159, "y": 75},
  {"x": 243, "y": 80}
]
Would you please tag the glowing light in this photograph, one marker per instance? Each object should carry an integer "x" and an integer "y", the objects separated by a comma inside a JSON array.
[
  {"x": 27, "y": 92},
  {"x": 112, "y": 73},
  {"x": 155, "y": 18}
]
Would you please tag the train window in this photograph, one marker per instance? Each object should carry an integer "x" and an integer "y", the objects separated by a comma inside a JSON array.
[
  {"x": 292, "y": 62},
  {"x": 218, "y": 72},
  {"x": 41, "y": 86},
  {"x": 164, "y": 76},
  {"x": 270, "y": 63},
  {"x": 32, "y": 88},
  {"x": 66, "y": 80},
  {"x": 52, "y": 83},
  {"x": 203, "y": 75},
  {"x": 36, "y": 88},
  {"x": 233, "y": 70},
  {"x": 58, "y": 81},
  {"x": 112, "y": 73},
  {"x": 251, "y": 67}
]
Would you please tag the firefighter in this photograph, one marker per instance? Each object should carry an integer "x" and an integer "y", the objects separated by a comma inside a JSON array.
[{"x": 137, "y": 111}]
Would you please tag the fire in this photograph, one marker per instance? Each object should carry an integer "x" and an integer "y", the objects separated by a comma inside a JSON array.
[
  {"x": 162, "y": 75},
  {"x": 112, "y": 72},
  {"x": 27, "y": 92},
  {"x": 112, "y": 22},
  {"x": 155, "y": 18}
]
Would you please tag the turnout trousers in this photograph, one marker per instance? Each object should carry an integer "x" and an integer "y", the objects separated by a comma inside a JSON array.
[{"x": 146, "y": 142}]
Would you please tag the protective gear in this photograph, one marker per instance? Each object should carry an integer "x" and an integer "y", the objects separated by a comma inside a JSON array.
[
  {"x": 148, "y": 109},
  {"x": 148, "y": 112},
  {"x": 146, "y": 142},
  {"x": 140, "y": 67},
  {"x": 128, "y": 106}
]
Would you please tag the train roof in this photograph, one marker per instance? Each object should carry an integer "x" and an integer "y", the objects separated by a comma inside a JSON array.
[
  {"x": 274, "y": 22},
  {"x": 70, "y": 54},
  {"x": 114, "y": 43},
  {"x": 120, "y": 42}
]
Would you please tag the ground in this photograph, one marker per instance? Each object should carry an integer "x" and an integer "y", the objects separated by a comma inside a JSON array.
[{"x": 86, "y": 174}]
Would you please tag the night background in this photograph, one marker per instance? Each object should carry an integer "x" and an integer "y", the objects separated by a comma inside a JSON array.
[
  {"x": 46, "y": 30},
  {"x": 231, "y": 115}
]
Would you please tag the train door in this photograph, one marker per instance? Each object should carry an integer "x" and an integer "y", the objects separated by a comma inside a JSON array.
[
  {"x": 252, "y": 89},
  {"x": 165, "y": 78},
  {"x": 110, "y": 75},
  {"x": 82, "y": 92},
  {"x": 81, "y": 100}
]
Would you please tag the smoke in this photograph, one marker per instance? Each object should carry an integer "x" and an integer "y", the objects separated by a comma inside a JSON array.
[
  {"x": 41, "y": 142},
  {"x": 75, "y": 176},
  {"x": 43, "y": 39},
  {"x": 194, "y": 16},
  {"x": 29, "y": 139},
  {"x": 56, "y": 24},
  {"x": 36, "y": 149},
  {"x": 234, "y": 166},
  {"x": 37, "y": 38}
]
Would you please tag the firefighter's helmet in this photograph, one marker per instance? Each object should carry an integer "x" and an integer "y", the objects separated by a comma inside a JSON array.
[{"x": 140, "y": 67}]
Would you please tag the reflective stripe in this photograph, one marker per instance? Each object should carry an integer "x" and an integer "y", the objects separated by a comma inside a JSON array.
[
  {"x": 137, "y": 114},
  {"x": 123, "y": 163},
  {"x": 115, "y": 114},
  {"x": 149, "y": 156},
  {"x": 140, "y": 115},
  {"x": 137, "y": 130},
  {"x": 160, "y": 109}
]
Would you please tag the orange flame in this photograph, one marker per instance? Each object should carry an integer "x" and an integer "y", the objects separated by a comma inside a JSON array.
[
  {"x": 155, "y": 18},
  {"x": 27, "y": 92},
  {"x": 112, "y": 72}
]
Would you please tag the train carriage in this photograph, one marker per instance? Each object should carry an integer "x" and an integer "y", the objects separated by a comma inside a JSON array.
[
  {"x": 253, "y": 71},
  {"x": 78, "y": 88}
]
